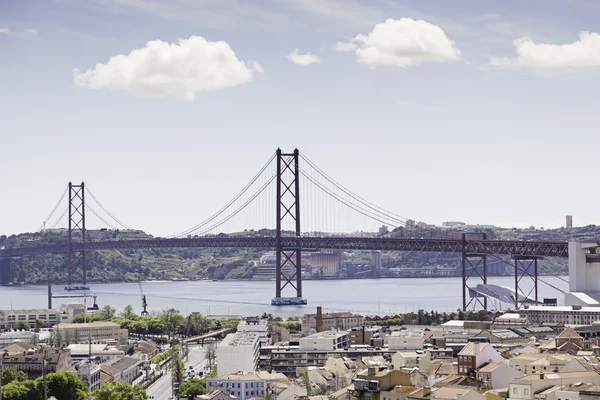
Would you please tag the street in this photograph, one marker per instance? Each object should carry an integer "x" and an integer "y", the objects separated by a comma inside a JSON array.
[{"x": 161, "y": 389}]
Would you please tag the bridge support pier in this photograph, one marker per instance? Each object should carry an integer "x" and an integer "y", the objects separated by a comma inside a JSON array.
[
  {"x": 5, "y": 271},
  {"x": 288, "y": 259},
  {"x": 526, "y": 267},
  {"x": 474, "y": 267},
  {"x": 76, "y": 231}
]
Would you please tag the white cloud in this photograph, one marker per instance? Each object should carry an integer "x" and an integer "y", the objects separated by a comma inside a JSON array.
[
  {"x": 343, "y": 46},
  {"x": 580, "y": 54},
  {"x": 4, "y": 30},
  {"x": 402, "y": 43},
  {"x": 302, "y": 59},
  {"x": 162, "y": 69},
  {"x": 31, "y": 31}
]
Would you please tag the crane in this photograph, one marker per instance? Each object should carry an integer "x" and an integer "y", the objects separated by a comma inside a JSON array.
[{"x": 144, "y": 303}]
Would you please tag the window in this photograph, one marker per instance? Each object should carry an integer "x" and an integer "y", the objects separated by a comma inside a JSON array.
[
  {"x": 526, "y": 392},
  {"x": 515, "y": 391}
]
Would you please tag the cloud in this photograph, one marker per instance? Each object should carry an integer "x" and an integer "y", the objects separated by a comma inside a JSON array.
[
  {"x": 580, "y": 54},
  {"x": 4, "y": 30},
  {"x": 31, "y": 32},
  {"x": 162, "y": 69},
  {"x": 401, "y": 43},
  {"x": 302, "y": 59}
]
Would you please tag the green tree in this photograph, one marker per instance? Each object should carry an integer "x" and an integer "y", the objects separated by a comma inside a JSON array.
[
  {"x": 108, "y": 312},
  {"x": 38, "y": 324},
  {"x": 193, "y": 387},
  {"x": 196, "y": 324},
  {"x": 119, "y": 391},
  {"x": 65, "y": 385},
  {"x": 10, "y": 375},
  {"x": 23, "y": 325},
  {"x": 177, "y": 371},
  {"x": 156, "y": 326},
  {"x": 172, "y": 319},
  {"x": 17, "y": 391},
  {"x": 128, "y": 313}
]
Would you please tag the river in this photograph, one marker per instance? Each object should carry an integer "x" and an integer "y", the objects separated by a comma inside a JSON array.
[{"x": 365, "y": 296}]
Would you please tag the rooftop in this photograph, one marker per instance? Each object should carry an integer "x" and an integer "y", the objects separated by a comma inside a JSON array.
[
  {"x": 98, "y": 324},
  {"x": 559, "y": 375},
  {"x": 121, "y": 364},
  {"x": 489, "y": 367},
  {"x": 31, "y": 311},
  {"x": 239, "y": 339},
  {"x": 561, "y": 309},
  {"x": 327, "y": 335}
]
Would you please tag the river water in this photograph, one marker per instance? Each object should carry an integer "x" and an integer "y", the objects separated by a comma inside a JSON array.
[{"x": 365, "y": 296}]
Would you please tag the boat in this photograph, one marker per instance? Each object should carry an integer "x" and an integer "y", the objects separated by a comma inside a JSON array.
[
  {"x": 80, "y": 287},
  {"x": 288, "y": 301}
]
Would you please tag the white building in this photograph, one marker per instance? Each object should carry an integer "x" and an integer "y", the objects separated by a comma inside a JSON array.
[
  {"x": 10, "y": 319},
  {"x": 328, "y": 340},
  {"x": 528, "y": 387},
  {"x": 123, "y": 369},
  {"x": 238, "y": 352},
  {"x": 244, "y": 385},
  {"x": 7, "y": 338},
  {"x": 89, "y": 374},
  {"x": 405, "y": 340},
  {"x": 497, "y": 375},
  {"x": 96, "y": 332},
  {"x": 584, "y": 274},
  {"x": 563, "y": 315},
  {"x": 258, "y": 326}
]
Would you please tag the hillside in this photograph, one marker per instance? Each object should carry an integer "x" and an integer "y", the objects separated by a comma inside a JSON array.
[{"x": 227, "y": 263}]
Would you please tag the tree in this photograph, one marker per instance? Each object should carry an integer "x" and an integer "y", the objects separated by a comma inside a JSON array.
[
  {"x": 119, "y": 391},
  {"x": 108, "y": 312},
  {"x": 156, "y": 326},
  {"x": 23, "y": 325},
  {"x": 38, "y": 324},
  {"x": 10, "y": 375},
  {"x": 19, "y": 391},
  {"x": 211, "y": 355},
  {"x": 193, "y": 387},
  {"x": 177, "y": 371},
  {"x": 196, "y": 324},
  {"x": 128, "y": 313},
  {"x": 65, "y": 385},
  {"x": 172, "y": 319}
]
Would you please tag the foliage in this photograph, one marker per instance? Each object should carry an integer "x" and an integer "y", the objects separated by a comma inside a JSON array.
[
  {"x": 292, "y": 326},
  {"x": 423, "y": 317},
  {"x": 119, "y": 391},
  {"x": 172, "y": 318},
  {"x": 193, "y": 387},
  {"x": 157, "y": 359},
  {"x": 62, "y": 385},
  {"x": 10, "y": 375},
  {"x": 177, "y": 370},
  {"x": 128, "y": 313},
  {"x": 38, "y": 324},
  {"x": 196, "y": 324},
  {"x": 23, "y": 326},
  {"x": 108, "y": 312}
]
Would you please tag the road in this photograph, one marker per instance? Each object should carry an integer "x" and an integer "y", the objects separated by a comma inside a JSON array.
[{"x": 161, "y": 389}]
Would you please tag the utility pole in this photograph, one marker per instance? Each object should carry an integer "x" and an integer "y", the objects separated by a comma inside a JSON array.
[
  {"x": 1, "y": 370},
  {"x": 44, "y": 375}
]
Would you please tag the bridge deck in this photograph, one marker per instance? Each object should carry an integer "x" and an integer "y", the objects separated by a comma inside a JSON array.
[{"x": 505, "y": 247}]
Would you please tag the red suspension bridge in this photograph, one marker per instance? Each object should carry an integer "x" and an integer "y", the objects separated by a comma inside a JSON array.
[{"x": 303, "y": 196}]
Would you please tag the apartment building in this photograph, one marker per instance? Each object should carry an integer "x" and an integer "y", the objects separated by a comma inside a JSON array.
[
  {"x": 561, "y": 315},
  {"x": 529, "y": 387},
  {"x": 238, "y": 352},
  {"x": 122, "y": 369},
  {"x": 331, "y": 321},
  {"x": 325, "y": 341},
  {"x": 244, "y": 385},
  {"x": 474, "y": 355},
  {"x": 405, "y": 340},
  {"x": 258, "y": 326},
  {"x": 31, "y": 361},
  {"x": 89, "y": 374},
  {"x": 364, "y": 334},
  {"x": 96, "y": 332}
]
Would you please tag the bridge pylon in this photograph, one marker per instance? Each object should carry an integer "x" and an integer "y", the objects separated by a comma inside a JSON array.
[
  {"x": 474, "y": 266},
  {"x": 76, "y": 231},
  {"x": 526, "y": 267},
  {"x": 288, "y": 258}
]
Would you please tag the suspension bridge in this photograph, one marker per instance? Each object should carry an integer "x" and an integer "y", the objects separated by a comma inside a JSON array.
[{"x": 304, "y": 197}]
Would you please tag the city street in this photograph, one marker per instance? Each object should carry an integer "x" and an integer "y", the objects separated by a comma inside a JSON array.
[{"x": 161, "y": 389}]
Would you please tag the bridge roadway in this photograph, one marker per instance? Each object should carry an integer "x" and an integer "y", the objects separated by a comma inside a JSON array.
[{"x": 454, "y": 245}]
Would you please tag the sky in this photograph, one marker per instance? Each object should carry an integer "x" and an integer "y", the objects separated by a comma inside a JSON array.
[{"x": 478, "y": 111}]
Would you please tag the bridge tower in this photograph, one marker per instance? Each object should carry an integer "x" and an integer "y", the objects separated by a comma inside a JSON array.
[
  {"x": 288, "y": 259},
  {"x": 526, "y": 267},
  {"x": 76, "y": 231},
  {"x": 474, "y": 266}
]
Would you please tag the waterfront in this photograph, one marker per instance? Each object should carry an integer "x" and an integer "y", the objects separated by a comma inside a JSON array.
[{"x": 366, "y": 296}]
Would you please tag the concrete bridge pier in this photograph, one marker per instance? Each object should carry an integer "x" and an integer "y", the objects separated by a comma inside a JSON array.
[{"x": 5, "y": 271}]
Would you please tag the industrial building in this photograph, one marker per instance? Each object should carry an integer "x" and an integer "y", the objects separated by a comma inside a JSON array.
[
  {"x": 313, "y": 323},
  {"x": 94, "y": 332}
]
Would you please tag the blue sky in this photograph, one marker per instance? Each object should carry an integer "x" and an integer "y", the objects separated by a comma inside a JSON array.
[{"x": 474, "y": 127}]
